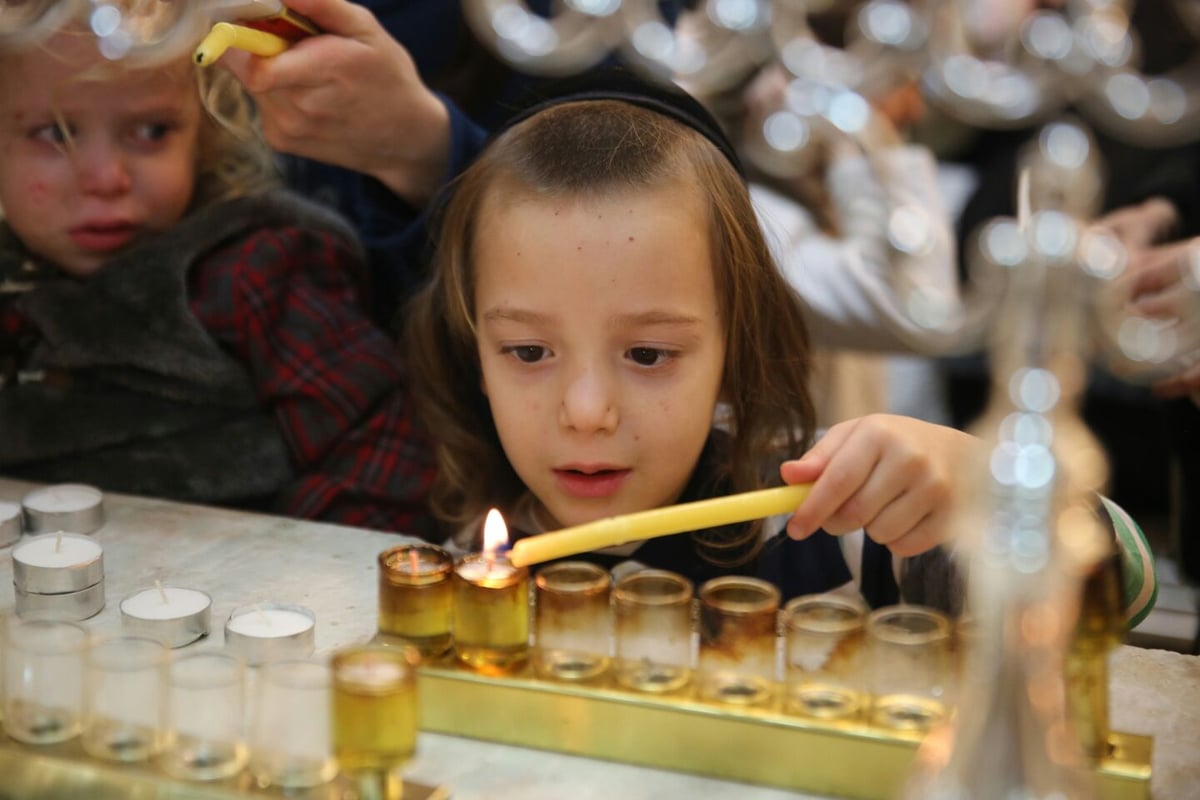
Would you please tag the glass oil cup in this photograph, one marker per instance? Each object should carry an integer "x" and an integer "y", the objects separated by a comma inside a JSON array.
[
  {"x": 652, "y": 610},
  {"x": 908, "y": 667},
  {"x": 203, "y": 731},
  {"x": 572, "y": 621},
  {"x": 43, "y": 679},
  {"x": 290, "y": 741},
  {"x": 374, "y": 709},
  {"x": 738, "y": 624},
  {"x": 491, "y": 614},
  {"x": 823, "y": 664},
  {"x": 416, "y": 597},
  {"x": 123, "y": 686}
]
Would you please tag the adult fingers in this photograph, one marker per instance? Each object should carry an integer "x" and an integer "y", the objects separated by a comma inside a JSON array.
[
  {"x": 1171, "y": 302},
  {"x": 295, "y": 68},
  {"x": 1182, "y": 384},
  {"x": 338, "y": 17},
  {"x": 1155, "y": 268}
]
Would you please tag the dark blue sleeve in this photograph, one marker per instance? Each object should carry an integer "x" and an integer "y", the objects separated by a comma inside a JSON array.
[{"x": 394, "y": 234}]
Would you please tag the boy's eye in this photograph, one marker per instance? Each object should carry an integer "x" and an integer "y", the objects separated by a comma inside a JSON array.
[
  {"x": 527, "y": 353},
  {"x": 648, "y": 356}
]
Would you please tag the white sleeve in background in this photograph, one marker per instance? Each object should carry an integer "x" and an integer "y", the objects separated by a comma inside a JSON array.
[{"x": 847, "y": 283}]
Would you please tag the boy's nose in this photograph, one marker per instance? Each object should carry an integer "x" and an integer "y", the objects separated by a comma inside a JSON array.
[
  {"x": 589, "y": 403},
  {"x": 102, "y": 170}
]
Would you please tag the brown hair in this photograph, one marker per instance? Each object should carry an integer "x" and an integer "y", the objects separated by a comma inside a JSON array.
[{"x": 600, "y": 148}]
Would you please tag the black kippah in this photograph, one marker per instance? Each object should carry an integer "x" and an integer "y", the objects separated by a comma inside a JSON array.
[{"x": 617, "y": 83}]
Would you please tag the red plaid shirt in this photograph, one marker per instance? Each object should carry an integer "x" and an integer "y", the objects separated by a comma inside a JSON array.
[{"x": 285, "y": 303}]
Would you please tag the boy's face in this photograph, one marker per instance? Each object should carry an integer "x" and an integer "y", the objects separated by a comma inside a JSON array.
[
  {"x": 600, "y": 344},
  {"x": 129, "y": 166}
]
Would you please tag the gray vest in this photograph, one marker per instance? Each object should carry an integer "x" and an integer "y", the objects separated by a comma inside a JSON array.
[{"x": 126, "y": 390}]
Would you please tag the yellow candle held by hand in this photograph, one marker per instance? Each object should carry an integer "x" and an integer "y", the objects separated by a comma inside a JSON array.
[
  {"x": 225, "y": 35},
  {"x": 658, "y": 522}
]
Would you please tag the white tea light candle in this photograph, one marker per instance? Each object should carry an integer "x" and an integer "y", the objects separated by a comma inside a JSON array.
[
  {"x": 10, "y": 523},
  {"x": 175, "y": 615},
  {"x": 270, "y": 623},
  {"x": 73, "y": 507},
  {"x": 271, "y": 632},
  {"x": 165, "y": 602},
  {"x": 54, "y": 563}
]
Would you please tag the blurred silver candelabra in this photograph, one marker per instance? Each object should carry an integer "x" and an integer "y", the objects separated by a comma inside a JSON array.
[{"x": 988, "y": 63}]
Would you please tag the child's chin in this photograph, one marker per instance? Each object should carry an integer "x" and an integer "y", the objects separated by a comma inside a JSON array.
[{"x": 82, "y": 266}]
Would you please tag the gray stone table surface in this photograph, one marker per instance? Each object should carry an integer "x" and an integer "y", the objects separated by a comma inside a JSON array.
[{"x": 241, "y": 558}]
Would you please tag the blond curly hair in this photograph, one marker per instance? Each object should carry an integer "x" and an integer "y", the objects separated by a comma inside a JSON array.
[{"x": 232, "y": 158}]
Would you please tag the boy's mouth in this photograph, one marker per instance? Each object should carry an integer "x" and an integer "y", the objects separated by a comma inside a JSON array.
[
  {"x": 103, "y": 237},
  {"x": 591, "y": 481}
]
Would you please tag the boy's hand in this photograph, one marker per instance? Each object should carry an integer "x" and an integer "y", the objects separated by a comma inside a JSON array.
[{"x": 901, "y": 479}]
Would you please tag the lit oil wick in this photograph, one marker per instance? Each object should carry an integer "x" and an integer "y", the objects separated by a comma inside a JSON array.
[{"x": 495, "y": 535}]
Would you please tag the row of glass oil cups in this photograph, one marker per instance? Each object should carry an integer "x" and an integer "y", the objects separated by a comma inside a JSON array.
[
  {"x": 129, "y": 699},
  {"x": 649, "y": 632}
]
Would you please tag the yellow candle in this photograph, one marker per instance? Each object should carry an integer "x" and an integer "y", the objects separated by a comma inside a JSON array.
[
  {"x": 225, "y": 35},
  {"x": 658, "y": 522}
]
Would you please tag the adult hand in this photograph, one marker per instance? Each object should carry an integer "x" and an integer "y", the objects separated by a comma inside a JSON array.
[
  {"x": 1164, "y": 283},
  {"x": 351, "y": 97},
  {"x": 901, "y": 479},
  {"x": 1144, "y": 224}
]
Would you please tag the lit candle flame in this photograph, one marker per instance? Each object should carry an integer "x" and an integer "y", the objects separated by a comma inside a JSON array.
[
  {"x": 414, "y": 561},
  {"x": 495, "y": 535}
]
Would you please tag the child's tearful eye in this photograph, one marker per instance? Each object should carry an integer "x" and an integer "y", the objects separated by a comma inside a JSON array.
[
  {"x": 151, "y": 131},
  {"x": 55, "y": 133}
]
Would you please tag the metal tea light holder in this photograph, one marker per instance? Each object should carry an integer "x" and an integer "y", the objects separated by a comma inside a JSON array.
[
  {"x": 59, "y": 575},
  {"x": 265, "y": 632},
  {"x": 70, "y": 507},
  {"x": 11, "y": 525}
]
